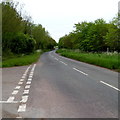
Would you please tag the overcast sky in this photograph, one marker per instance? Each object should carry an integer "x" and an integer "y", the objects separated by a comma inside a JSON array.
[{"x": 59, "y": 16}]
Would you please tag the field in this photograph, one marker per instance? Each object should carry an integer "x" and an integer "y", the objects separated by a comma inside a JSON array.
[{"x": 107, "y": 60}]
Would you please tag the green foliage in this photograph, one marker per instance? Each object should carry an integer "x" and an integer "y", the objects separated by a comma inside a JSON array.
[
  {"x": 112, "y": 39},
  {"x": 11, "y": 20},
  {"x": 94, "y": 36},
  {"x": 19, "y": 60},
  {"x": 101, "y": 59},
  {"x": 20, "y": 35},
  {"x": 22, "y": 43},
  {"x": 43, "y": 40}
]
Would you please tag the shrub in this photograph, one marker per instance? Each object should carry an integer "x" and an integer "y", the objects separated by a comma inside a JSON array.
[{"x": 22, "y": 43}]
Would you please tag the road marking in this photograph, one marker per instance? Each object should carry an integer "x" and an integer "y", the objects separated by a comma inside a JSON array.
[
  {"x": 26, "y": 92},
  {"x": 29, "y": 82},
  {"x": 4, "y": 102},
  {"x": 14, "y": 92},
  {"x": 21, "y": 80},
  {"x": 110, "y": 85},
  {"x": 30, "y": 79},
  {"x": 80, "y": 71},
  {"x": 27, "y": 86},
  {"x": 17, "y": 87},
  {"x": 18, "y": 117},
  {"x": 23, "y": 77},
  {"x": 56, "y": 59},
  {"x": 33, "y": 68},
  {"x": 22, "y": 108},
  {"x": 24, "y": 74},
  {"x": 20, "y": 83},
  {"x": 10, "y": 99},
  {"x": 24, "y": 99},
  {"x": 31, "y": 72},
  {"x": 27, "y": 69},
  {"x": 63, "y": 62},
  {"x": 30, "y": 76}
]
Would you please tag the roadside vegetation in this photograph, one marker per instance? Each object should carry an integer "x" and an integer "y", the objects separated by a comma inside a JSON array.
[
  {"x": 98, "y": 43},
  {"x": 107, "y": 60},
  {"x": 20, "y": 60},
  {"x": 20, "y": 36}
]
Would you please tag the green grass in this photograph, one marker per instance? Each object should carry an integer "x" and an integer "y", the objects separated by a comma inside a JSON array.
[
  {"x": 101, "y": 59},
  {"x": 20, "y": 60}
]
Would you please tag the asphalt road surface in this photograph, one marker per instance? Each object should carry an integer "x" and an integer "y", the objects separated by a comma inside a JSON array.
[{"x": 58, "y": 87}]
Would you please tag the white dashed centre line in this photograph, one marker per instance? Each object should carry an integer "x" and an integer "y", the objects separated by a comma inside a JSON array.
[
  {"x": 63, "y": 62},
  {"x": 56, "y": 59},
  {"x": 109, "y": 85},
  {"x": 80, "y": 71}
]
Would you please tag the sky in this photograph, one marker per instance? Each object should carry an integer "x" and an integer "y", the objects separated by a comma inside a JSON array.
[{"x": 59, "y": 16}]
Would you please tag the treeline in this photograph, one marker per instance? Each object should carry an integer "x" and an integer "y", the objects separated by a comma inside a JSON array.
[
  {"x": 19, "y": 34},
  {"x": 97, "y": 36}
]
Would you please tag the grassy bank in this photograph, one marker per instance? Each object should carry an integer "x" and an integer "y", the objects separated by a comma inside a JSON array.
[
  {"x": 109, "y": 61},
  {"x": 20, "y": 60}
]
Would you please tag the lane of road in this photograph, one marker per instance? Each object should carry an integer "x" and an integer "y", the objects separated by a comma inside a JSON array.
[
  {"x": 62, "y": 89},
  {"x": 65, "y": 88}
]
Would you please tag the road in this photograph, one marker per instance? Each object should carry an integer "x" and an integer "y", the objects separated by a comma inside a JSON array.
[{"x": 58, "y": 87}]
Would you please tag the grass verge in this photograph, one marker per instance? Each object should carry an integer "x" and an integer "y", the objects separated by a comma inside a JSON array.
[
  {"x": 101, "y": 59},
  {"x": 21, "y": 60}
]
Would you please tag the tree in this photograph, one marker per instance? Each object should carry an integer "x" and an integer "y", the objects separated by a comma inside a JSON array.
[{"x": 94, "y": 36}]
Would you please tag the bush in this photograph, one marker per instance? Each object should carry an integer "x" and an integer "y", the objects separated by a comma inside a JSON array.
[{"x": 22, "y": 43}]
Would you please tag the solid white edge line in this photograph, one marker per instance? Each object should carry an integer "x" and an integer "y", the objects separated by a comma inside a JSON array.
[
  {"x": 109, "y": 85},
  {"x": 80, "y": 71},
  {"x": 4, "y": 102}
]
